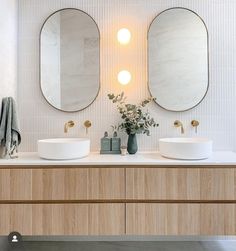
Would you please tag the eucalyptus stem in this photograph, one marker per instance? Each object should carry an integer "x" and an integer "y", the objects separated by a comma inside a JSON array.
[{"x": 135, "y": 120}]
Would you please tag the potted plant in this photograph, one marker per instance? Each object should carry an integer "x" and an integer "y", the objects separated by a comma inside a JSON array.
[{"x": 135, "y": 120}]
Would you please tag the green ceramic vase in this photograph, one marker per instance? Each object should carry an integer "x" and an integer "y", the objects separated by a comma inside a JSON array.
[{"x": 132, "y": 146}]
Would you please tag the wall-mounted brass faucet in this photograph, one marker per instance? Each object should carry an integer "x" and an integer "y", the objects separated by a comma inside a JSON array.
[
  {"x": 87, "y": 124},
  {"x": 68, "y": 125},
  {"x": 178, "y": 123},
  {"x": 195, "y": 124}
]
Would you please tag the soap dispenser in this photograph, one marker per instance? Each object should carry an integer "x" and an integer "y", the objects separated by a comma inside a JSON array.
[
  {"x": 115, "y": 143},
  {"x": 105, "y": 144}
]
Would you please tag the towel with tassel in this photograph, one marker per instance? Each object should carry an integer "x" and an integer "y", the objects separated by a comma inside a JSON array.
[{"x": 10, "y": 137}]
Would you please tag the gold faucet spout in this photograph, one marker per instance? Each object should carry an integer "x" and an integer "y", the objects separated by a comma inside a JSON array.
[
  {"x": 178, "y": 123},
  {"x": 68, "y": 125}
]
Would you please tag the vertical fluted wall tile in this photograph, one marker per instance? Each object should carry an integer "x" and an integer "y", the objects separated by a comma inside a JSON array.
[
  {"x": 216, "y": 113},
  {"x": 8, "y": 49}
]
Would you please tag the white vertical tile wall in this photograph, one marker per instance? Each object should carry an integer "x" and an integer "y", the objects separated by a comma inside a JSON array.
[
  {"x": 8, "y": 48},
  {"x": 216, "y": 113}
]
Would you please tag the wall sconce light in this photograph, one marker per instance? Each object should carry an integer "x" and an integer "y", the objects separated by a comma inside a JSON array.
[
  {"x": 124, "y": 77},
  {"x": 123, "y": 36}
]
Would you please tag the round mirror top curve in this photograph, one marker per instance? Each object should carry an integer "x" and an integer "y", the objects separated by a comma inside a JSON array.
[
  {"x": 178, "y": 59},
  {"x": 70, "y": 60}
]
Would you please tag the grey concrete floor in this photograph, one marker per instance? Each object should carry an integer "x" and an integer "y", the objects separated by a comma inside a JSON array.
[{"x": 211, "y": 245}]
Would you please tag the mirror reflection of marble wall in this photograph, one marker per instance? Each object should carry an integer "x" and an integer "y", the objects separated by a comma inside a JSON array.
[
  {"x": 69, "y": 53},
  {"x": 178, "y": 59}
]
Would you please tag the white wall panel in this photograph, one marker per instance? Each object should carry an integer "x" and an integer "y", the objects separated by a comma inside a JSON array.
[{"x": 216, "y": 113}]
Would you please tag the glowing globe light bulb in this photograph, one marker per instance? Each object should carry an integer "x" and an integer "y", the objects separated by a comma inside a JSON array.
[
  {"x": 124, "y": 77},
  {"x": 123, "y": 36}
]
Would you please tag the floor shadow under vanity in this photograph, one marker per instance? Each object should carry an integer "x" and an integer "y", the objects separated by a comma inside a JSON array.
[{"x": 120, "y": 244}]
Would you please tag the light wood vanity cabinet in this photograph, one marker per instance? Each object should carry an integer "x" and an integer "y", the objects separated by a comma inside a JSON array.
[{"x": 117, "y": 200}]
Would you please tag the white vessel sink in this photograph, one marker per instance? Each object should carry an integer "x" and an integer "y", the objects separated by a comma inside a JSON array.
[
  {"x": 185, "y": 148},
  {"x": 63, "y": 148}
]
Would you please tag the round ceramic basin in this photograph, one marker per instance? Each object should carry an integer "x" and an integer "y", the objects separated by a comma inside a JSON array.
[
  {"x": 185, "y": 148},
  {"x": 63, "y": 148}
]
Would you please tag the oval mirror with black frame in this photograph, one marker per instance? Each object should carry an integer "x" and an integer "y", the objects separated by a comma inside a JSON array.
[
  {"x": 69, "y": 60},
  {"x": 178, "y": 74}
]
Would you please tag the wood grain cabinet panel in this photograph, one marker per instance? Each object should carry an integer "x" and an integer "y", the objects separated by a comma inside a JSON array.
[
  {"x": 218, "y": 183},
  {"x": 63, "y": 219},
  {"x": 106, "y": 219},
  {"x": 15, "y": 218},
  {"x": 106, "y": 183},
  {"x": 218, "y": 219},
  {"x": 62, "y": 184},
  {"x": 181, "y": 183},
  {"x": 15, "y": 184},
  {"x": 78, "y": 184},
  {"x": 181, "y": 219}
]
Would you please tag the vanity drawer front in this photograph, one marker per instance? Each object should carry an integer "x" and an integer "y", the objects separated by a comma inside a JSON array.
[
  {"x": 181, "y": 219},
  {"x": 62, "y": 184},
  {"x": 63, "y": 219},
  {"x": 15, "y": 184},
  {"x": 78, "y": 184},
  {"x": 181, "y": 183}
]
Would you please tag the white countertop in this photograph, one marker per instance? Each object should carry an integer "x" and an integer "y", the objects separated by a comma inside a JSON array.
[{"x": 152, "y": 158}]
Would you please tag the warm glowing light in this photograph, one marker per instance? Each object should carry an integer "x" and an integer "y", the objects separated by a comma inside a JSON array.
[
  {"x": 124, "y": 77},
  {"x": 123, "y": 36}
]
